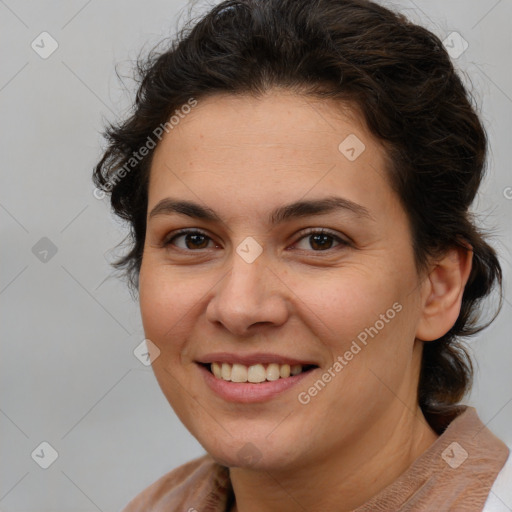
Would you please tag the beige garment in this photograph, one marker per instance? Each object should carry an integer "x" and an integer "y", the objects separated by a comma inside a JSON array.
[{"x": 454, "y": 474}]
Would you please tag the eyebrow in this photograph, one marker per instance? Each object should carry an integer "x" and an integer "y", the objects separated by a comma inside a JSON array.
[{"x": 298, "y": 209}]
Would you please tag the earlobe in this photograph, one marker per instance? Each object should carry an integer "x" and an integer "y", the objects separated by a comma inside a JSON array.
[{"x": 444, "y": 288}]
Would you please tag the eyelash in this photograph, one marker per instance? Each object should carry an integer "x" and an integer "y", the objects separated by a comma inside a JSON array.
[{"x": 309, "y": 232}]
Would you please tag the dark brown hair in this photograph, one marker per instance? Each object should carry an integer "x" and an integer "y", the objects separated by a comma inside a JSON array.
[{"x": 401, "y": 79}]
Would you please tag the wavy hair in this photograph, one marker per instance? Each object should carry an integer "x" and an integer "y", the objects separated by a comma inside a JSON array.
[{"x": 400, "y": 78}]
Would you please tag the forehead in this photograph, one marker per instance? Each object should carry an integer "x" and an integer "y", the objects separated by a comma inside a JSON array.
[
  {"x": 279, "y": 117},
  {"x": 277, "y": 145}
]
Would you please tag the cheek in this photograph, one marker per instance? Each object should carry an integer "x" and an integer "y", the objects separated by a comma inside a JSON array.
[
  {"x": 344, "y": 302},
  {"x": 366, "y": 317},
  {"x": 166, "y": 305},
  {"x": 164, "y": 301},
  {"x": 172, "y": 302}
]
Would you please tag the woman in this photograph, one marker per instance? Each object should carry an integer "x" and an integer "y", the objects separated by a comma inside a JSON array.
[{"x": 297, "y": 177}]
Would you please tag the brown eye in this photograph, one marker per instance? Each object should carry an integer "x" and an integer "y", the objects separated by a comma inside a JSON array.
[
  {"x": 318, "y": 240},
  {"x": 321, "y": 240},
  {"x": 193, "y": 240}
]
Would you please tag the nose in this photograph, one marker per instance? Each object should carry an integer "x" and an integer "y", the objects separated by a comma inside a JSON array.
[{"x": 251, "y": 296}]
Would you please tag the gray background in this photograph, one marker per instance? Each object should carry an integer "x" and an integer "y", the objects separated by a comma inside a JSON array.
[{"x": 68, "y": 373}]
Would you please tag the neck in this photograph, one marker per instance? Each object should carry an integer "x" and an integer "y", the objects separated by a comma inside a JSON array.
[{"x": 343, "y": 481}]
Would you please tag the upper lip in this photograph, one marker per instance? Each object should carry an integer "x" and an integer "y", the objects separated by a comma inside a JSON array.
[{"x": 250, "y": 359}]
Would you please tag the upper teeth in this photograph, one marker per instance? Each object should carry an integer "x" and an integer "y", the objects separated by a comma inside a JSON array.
[{"x": 254, "y": 373}]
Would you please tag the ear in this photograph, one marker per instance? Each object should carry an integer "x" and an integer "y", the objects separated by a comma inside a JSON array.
[{"x": 442, "y": 293}]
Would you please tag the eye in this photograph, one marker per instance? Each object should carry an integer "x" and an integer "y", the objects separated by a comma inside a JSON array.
[
  {"x": 319, "y": 239},
  {"x": 193, "y": 239}
]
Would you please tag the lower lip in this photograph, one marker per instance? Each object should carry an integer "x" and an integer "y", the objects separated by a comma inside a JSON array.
[{"x": 247, "y": 392}]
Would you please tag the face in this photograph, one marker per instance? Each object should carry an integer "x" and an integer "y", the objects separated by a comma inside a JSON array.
[{"x": 296, "y": 258}]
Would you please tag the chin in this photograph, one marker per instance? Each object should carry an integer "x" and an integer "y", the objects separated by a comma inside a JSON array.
[
  {"x": 248, "y": 457},
  {"x": 249, "y": 452}
]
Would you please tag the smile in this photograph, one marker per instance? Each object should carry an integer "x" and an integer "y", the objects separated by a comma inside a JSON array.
[
  {"x": 254, "y": 377},
  {"x": 256, "y": 373}
]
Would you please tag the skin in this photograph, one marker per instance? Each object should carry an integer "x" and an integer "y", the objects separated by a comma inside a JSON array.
[{"x": 242, "y": 157}]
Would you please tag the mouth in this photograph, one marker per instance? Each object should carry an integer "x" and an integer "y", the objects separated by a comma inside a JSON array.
[
  {"x": 252, "y": 378},
  {"x": 255, "y": 373}
]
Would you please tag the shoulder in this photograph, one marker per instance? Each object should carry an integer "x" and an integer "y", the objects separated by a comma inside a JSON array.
[
  {"x": 183, "y": 488},
  {"x": 500, "y": 496}
]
